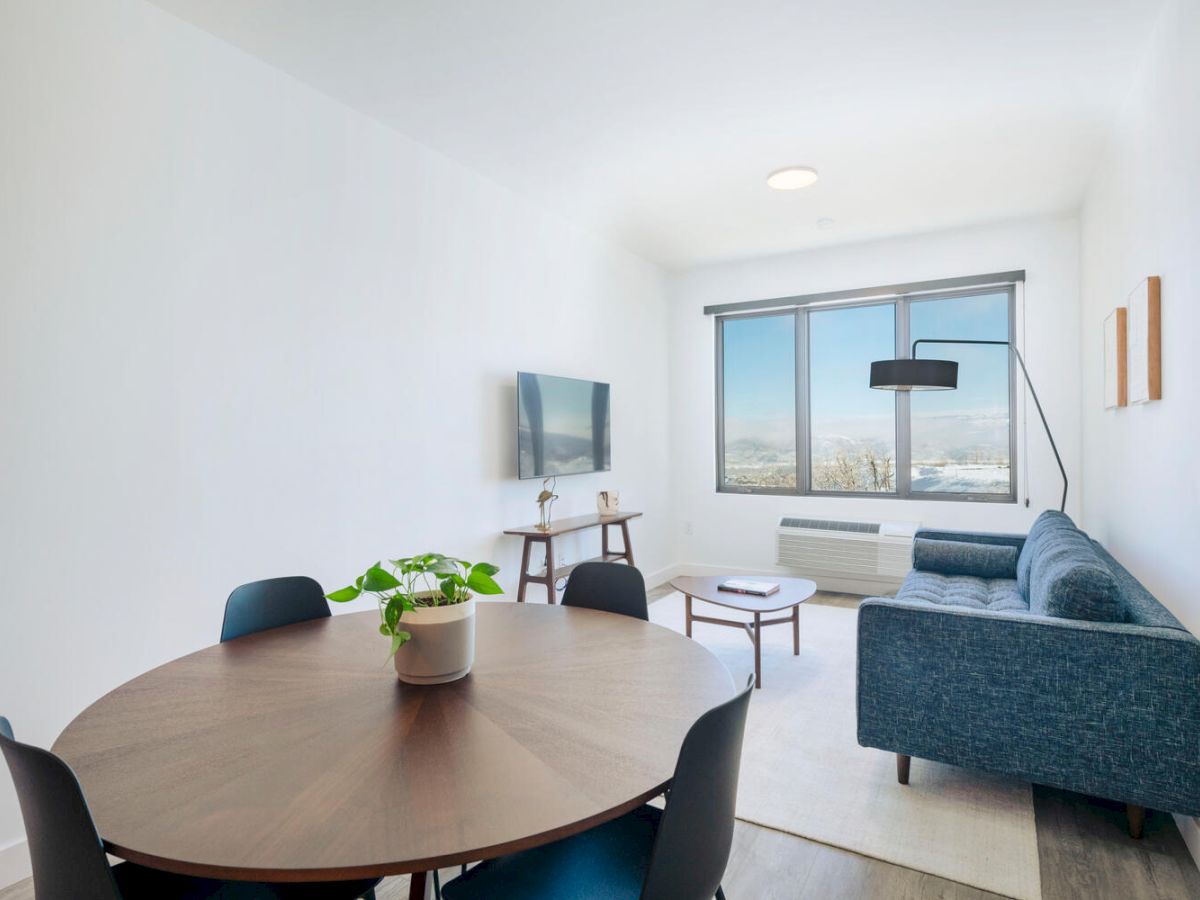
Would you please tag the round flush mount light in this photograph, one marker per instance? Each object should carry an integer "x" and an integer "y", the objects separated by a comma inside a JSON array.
[
  {"x": 825, "y": 223},
  {"x": 792, "y": 178}
]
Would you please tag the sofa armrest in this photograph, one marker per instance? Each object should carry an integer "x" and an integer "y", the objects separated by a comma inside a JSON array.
[
  {"x": 973, "y": 537},
  {"x": 1102, "y": 708}
]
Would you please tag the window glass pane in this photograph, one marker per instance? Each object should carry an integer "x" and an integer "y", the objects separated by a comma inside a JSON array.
[
  {"x": 760, "y": 401},
  {"x": 960, "y": 438},
  {"x": 853, "y": 428}
]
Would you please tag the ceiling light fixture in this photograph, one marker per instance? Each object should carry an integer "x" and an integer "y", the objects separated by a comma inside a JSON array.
[{"x": 792, "y": 178}]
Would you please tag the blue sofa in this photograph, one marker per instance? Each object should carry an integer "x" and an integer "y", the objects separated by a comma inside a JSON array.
[{"x": 1036, "y": 656}]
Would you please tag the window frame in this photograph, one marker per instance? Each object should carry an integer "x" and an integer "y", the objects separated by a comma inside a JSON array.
[{"x": 903, "y": 423}]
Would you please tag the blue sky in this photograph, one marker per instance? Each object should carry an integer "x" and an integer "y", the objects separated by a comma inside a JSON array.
[{"x": 760, "y": 364}]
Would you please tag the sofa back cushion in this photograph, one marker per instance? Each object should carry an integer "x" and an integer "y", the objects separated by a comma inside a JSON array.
[
  {"x": 1048, "y": 524},
  {"x": 965, "y": 558},
  {"x": 1068, "y": 578}
]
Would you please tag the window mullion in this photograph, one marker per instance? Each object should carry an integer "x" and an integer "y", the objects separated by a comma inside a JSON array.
[
  {"x": 903, "y": 406},
  {"x": 803, "y": 450},
  {"x": 719, "y": 365}
]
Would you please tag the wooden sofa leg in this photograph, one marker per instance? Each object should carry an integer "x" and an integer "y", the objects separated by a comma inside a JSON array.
[
  {"x": 1136, "y": 817},
  {"x": 902, "y": 765}
]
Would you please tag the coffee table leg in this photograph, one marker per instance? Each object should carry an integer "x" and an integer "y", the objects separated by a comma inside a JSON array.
[
  {"x": 758, "y": 650},
  {"x": 420, "y": 887},
  {"x": 687, "y": 616},
  {"x": 796, "y": 630}
]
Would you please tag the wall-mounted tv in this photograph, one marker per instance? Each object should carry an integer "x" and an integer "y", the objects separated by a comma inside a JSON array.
[{"x": 562, "y": 426}]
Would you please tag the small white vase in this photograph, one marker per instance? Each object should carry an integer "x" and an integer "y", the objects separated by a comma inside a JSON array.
[
  {"x": 442, "y": 646},
  {"x": 608, "y": 503}
]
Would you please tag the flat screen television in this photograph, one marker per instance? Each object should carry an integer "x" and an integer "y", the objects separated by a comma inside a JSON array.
[{"x": 563, "y": 426}]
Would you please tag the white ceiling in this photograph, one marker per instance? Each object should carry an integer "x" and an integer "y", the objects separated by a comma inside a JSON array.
[{"x": 656, "y": 122}]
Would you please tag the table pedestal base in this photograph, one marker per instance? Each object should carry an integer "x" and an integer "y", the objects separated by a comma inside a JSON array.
[{"x": 420, "y": 886}]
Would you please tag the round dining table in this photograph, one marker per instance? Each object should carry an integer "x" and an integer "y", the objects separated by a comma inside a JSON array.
[{"x": 296, "y": 755}]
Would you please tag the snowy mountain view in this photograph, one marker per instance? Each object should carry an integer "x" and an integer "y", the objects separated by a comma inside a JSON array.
[
  {"x": 958, "y": 441},
  {"x": 760, "y": 452},
  {"x": 961, "y": 453},
  {"x": 956, "y": 452}
]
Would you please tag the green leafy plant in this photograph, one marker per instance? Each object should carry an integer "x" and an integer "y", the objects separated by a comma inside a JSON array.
[{"x": 431, "y": 579}]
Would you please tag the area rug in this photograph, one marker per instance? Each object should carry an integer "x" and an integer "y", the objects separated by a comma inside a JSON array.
[{"x": 803, "y": 771}]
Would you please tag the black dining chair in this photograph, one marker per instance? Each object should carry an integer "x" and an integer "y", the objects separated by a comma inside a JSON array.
[
  {"x": 69, "y": 860},
  {"x": 678, "y": 853},
  {"x": 610, "y": 587},
  {"x": 260, "y": 605}
]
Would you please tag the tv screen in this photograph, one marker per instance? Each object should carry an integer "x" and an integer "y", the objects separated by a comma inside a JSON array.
[{"x": 562, "y": 426}]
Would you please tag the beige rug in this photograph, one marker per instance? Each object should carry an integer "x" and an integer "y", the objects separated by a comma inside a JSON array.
[{"x": 803, "y": 771}]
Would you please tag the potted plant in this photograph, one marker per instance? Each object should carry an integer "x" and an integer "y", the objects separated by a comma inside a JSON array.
[{"x": 427, "y": 608}]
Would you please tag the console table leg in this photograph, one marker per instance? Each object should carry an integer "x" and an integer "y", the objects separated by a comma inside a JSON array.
[
  {"x": 524, "y": 582},
  {"x": 604, "y": 542},
  {"x": 551, "y": 587},
  {"x": 628, "y": 545}
]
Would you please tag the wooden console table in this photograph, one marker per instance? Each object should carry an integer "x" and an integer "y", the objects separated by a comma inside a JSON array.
[{"x": 534, "y": 535}]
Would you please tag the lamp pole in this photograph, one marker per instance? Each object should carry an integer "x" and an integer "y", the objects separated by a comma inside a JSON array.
[{"x": 1033, "y": 393}]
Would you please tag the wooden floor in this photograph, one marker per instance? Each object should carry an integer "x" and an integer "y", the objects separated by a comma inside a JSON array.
[
  {"x": 1084, "y": 852},
  {"x": 1085, "y": 855}
]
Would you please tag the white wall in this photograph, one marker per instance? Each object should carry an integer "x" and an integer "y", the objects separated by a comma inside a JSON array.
[
  {"x": 1142, "y": 217},
  {"x": 736, "y": 530},
  {"x": 247, "y": 332}
]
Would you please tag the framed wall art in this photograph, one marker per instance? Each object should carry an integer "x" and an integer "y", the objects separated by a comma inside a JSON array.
[
  {"x": 1116, "y": 382},
  {"x": 1144, "y": 335}
]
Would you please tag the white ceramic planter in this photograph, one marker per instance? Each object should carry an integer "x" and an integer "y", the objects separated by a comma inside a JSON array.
[{"x": 442, "y": 647}]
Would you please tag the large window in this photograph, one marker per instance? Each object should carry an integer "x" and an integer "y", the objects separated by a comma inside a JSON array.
[
  {"x": 795, "y": 414},
  {"x": 852, "y": 429},
  {"x": 759, "y": 435}
]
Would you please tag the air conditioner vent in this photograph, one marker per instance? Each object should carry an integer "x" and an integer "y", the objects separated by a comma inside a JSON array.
[
  {"x": 856, "y": 557},
  {"x": 829, "y": 525}
]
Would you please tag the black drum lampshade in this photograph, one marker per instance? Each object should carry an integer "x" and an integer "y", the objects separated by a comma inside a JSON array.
[{"x": 914, "y": 375}]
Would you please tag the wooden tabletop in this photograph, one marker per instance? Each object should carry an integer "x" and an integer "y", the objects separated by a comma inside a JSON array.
[
  {"x": 574, "y": 523},
  {"x": 296, "y": 755},
  {"x": 792, "y": 591}
]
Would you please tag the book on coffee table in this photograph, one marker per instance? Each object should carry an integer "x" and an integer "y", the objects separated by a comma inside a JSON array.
[{"x": 741, "y": 586}]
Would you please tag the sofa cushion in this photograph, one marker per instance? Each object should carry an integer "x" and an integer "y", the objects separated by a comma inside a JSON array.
[
  {"x": 965, "y": 558},
  {"x": 1048, "y": 524},
  {"x": 1069, "y": 580},
  {"x": 962, "y": 590}
]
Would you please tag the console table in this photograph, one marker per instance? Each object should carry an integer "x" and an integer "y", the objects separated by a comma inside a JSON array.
[{"x": 534, "y": 535}]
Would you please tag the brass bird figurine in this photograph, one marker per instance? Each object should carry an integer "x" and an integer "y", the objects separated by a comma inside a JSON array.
[{"x": 545, "y": 500}]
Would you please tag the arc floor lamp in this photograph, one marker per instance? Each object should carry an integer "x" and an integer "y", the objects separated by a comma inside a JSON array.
[{"x": 942, "y": 375}]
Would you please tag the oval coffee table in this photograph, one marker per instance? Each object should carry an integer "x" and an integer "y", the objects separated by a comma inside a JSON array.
[
  {"x": 295, "y": 754},
  {"x": 792, "y": 592}
]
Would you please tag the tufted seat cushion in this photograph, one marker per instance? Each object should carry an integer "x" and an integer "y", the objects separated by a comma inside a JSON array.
[{"x": 994, "y": 594}]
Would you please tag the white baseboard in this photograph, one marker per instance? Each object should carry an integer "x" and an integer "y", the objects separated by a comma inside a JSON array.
[
  {"x": 1190, "y": 829},
  {"x": 14, "y": 863},
  {"x": 660, "y": 576}
]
